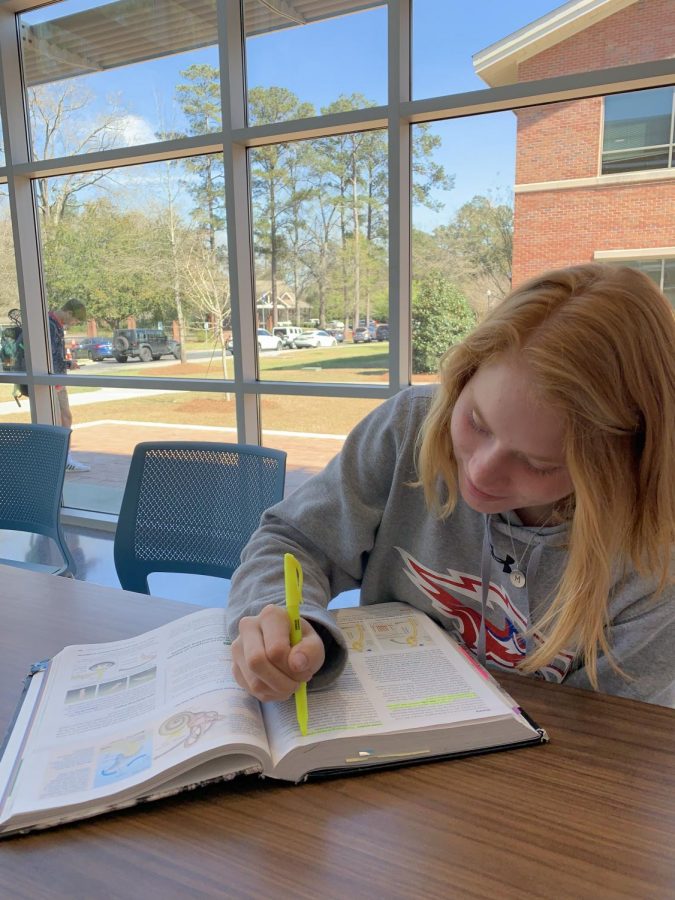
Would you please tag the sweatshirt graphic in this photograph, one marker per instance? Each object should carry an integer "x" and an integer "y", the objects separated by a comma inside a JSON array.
[{"x": 456, "y": 596}]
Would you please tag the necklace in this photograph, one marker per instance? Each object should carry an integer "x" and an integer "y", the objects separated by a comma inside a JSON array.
[{"x": 516, "y": 574}]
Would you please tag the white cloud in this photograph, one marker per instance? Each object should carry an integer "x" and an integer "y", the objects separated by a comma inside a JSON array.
[{"x": 131, "y": 130}]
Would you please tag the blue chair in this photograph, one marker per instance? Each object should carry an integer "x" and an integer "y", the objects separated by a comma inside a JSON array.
[
  {"x": 191, "y": 507},
  {"x": 32, "y": 469}
]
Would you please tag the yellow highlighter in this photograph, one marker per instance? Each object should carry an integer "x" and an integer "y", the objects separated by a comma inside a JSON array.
[{"x": 293, "y": 583}]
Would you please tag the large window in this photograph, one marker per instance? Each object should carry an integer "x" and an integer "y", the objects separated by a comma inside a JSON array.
[
  {"x": 638, "y": 132},
  {"x": 302, "y": 61},
  {"x": 144, "y": 249},
  {"x": 320, "y": 228},
  {"x": 661, "y": 271},
  {"x": 459, "y": 46},
  {"x": 119, "y": 74},
  {"x": 462, "y": 242},
  {"x": 9, "y": 297},
  {"x": 275, "y": 215}
]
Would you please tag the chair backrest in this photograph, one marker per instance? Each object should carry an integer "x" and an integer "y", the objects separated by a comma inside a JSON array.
[
  {"x": 192, "y": 506},
  {"x": 32, "y": 469}
]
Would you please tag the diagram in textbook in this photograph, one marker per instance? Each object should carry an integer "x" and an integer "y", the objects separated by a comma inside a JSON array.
[
  {"x": 399, "y": 631},
  {"x": 187, "y": 727},
  {"x": 375, "y": 635},
  {"x": 123, "y": 758}
]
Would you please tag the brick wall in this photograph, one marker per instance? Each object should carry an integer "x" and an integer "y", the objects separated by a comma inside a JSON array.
[
  {"x": 641, "y": 32},
  {"x": 559, "y": 141},
  {"x": 559, "y": 228}
]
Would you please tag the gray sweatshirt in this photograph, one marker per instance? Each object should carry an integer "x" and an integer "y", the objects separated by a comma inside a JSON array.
[{"x": 360, "y": 524}]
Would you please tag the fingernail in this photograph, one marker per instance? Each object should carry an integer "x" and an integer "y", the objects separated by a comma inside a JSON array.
[{"x": 299, "y": 662}]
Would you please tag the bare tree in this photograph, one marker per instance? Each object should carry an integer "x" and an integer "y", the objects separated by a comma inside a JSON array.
[
  {"x": 206, "y": 286},
  {"x": 60, "y": 127}
]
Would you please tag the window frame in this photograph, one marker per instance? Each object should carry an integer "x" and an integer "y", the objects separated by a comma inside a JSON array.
[
  {"x": 669, "y": 147},
  {"x": 233, "y": 141}
]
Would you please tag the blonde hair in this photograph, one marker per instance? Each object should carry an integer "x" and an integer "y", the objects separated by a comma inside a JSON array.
[{"x": 600, "y": 342}]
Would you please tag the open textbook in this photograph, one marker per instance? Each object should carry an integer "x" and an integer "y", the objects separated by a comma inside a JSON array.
[{"x": 103, "y": 726}]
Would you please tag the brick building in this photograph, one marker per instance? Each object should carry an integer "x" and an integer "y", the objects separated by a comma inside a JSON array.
[{"x": 595, "y": 178}]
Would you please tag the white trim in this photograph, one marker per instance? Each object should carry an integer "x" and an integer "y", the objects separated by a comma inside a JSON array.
[
  {"x": 636, "y": 253},
  {"x": 596, "y": 181},
  {"x": 89, "y": 518}
]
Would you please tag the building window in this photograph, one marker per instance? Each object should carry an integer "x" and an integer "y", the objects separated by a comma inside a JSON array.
[
  {"x": 638, "y": 131},
  {"x": 661, "y": 271}
]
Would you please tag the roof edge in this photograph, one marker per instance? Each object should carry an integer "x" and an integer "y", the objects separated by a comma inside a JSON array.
[{"x": 498, "y": 63}]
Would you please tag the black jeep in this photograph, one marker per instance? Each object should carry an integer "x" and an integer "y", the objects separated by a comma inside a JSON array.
[{"x": 145, "y": 343}]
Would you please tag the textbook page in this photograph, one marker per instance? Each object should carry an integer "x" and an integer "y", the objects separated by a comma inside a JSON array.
[
  {"x": 403, "y": 674},
  {"x": 115, "y": 716}
]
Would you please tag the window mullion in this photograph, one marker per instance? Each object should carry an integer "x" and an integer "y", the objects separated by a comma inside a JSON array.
[
  {"x": 24, "y": 222},
  {"x": 400, "y": 213},
  {"x": 239, "y": 235}
]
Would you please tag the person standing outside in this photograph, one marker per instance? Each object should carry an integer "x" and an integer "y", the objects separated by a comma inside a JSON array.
[{"x": 72, "y": 312}]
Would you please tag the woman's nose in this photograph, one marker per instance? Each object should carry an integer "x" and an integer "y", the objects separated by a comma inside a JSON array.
[{"x": 488, "y": 470}]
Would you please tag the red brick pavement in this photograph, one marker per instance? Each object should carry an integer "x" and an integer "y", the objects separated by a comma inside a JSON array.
[{"x": 107, "y": 448}]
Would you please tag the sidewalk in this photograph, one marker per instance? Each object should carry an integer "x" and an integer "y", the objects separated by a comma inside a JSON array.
[{"x": 100, "y": 395}]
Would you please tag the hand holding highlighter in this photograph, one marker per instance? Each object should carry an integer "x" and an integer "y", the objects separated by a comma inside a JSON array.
[{"x": 293, "y": 586}]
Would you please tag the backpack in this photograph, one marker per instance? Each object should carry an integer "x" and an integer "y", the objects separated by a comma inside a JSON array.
[
  {"x": 14, "y": 357},
  {"x": 20, "y": 354},
  {"x": 8, "y": 348}
]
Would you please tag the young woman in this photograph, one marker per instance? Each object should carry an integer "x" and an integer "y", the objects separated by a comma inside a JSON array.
[{"x": 527, "y": 503}]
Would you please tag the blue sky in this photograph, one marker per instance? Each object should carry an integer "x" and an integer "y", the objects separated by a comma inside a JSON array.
[{"x": 320, "y": 61}]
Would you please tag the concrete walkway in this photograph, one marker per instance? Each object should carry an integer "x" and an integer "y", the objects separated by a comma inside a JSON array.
[{"x": 100, "y": 395}]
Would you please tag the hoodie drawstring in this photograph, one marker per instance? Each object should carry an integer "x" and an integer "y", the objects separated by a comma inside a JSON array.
[{"x": 485, "y": 567}]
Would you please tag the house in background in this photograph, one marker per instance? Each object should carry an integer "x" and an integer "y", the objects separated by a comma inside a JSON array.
[
  {"x": 595, "y": 178},
  {"x": 287, "y": 308}
]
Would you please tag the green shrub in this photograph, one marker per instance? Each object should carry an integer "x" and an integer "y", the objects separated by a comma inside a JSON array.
[{"x": 441, "y": 316}]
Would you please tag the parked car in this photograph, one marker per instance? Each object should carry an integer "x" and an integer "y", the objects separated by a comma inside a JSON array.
[
  {"x": 288, "y": 334},
  {"x": 382, "y": 333},
  {"x": 315, "y": 338},
  {"x": 363, "y": 334},
  {"x": 337, "y": 333},
  {"x": 95, "y": 348},
  {"x": 266, "y": 341},
  {"x": 145, "y": 343}
]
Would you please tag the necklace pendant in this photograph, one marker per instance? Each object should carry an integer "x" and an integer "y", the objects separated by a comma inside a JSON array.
[{"x": 517, "y": 578}]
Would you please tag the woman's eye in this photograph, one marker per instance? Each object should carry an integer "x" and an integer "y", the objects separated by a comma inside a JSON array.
[
  {"x": 539, "y": 471},
  {"x": 474, "y": 424}
]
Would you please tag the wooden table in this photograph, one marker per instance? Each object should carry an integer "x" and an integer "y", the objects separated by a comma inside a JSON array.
[{"x": 590, "y": 815}]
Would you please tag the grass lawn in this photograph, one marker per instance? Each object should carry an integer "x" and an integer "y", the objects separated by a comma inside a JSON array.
[{"x": 346, "y": 363}]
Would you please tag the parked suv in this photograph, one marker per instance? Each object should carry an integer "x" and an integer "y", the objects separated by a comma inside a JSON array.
[
  {"x": 288, "y": 334},
  {"x": 363, "y": 335},
  {"x": 145, "y": 343}
]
